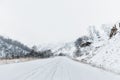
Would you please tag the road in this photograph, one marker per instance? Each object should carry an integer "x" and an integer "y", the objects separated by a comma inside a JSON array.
[{"x": 58, "y": 68}]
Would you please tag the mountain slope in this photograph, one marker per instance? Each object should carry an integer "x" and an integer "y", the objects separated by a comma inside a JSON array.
[
  {"x": 11, "y": 49},
  {"x": 109, "y": 56},
  {"x": 105, "y": 54}
]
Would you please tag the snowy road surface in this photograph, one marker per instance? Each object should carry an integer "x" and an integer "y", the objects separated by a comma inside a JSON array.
[{"x": 59, "y": 68}]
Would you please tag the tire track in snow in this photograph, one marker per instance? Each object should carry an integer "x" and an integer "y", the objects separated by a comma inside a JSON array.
[
  {"x": 62, "y": 70},
  {"x": 48, "y": 71},
  {"x": 44, "y": 68},
  {"x": 66, "y": 70},
  {"x": 33, "y": 70},
  {"x": 52, "y": 77}
]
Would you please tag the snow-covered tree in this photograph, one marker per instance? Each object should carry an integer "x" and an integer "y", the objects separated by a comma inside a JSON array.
[
  {"x": 80, "y": 41},
  {"x": 106, "y": 30},
  {"x": 34, "y": 48},
  {"x": 94, "y": 33}
]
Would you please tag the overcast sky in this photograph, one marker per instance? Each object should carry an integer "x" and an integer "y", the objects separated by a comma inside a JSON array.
[{"x": 49, "y": 21}]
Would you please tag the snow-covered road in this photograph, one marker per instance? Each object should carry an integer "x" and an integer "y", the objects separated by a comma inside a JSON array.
[{"x": 58, "y": 68}]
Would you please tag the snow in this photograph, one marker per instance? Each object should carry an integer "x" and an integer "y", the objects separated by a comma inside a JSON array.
[
  {"x": 10, "y": 48},
  {"x": 58, "y": 68},
  {"x": 57, "y": 48},
  {"x": 108, "y": 56},
  {"x": 52, "y": 46},
  {"x": 103, "y": 52}
]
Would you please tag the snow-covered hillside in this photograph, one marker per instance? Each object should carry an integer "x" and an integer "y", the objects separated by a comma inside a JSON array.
[
  {"x": 108, "y": 57},
  {"x": 58, "y": 68},
  {"x": 104, "y": 52},
  {"x": 10, "y": 48}
]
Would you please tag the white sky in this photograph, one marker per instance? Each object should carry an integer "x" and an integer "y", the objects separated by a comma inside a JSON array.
[{"x": 45, "y": 21}]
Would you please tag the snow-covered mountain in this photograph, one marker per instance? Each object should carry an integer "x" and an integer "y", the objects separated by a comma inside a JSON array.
[
  {"x": 105, "y": 53},
  {"x": 59, "y": 48},
  {"x": 102, "y": 51},
  {"x": 11, "y": 49},
  {"x": 76, "y": 48}
]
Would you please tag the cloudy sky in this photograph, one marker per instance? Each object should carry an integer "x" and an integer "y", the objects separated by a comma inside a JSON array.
[{"x": 50, "y": 21}]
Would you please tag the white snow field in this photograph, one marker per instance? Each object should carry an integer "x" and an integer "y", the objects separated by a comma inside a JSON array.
[{"x": 58, "y": 68}]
